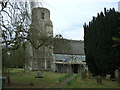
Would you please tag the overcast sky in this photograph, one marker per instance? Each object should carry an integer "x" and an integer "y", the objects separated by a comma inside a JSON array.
[{"x": 69, "y": 16}]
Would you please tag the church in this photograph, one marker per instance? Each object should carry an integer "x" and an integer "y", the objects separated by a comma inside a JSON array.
[{"x": 43, "y": 52}]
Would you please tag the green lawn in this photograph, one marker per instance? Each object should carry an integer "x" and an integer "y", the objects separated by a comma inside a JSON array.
[
  {"x": 51, "y": 80},
  {"x": 91, "y": 83}
]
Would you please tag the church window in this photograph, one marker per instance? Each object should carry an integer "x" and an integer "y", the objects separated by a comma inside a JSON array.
[
  {"x": 48, "y": 64},
  {"x": 42, "y": 15}
]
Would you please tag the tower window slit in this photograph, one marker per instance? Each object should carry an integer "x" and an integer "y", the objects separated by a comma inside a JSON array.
[{"x": 42, "y": 15}]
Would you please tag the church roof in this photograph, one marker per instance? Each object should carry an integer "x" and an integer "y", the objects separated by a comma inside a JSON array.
[{"x": 71, "y": 47}]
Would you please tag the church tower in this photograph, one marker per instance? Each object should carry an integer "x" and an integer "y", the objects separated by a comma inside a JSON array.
[
  {"x": 40, "y": 49},
  {"x": 41, "y": 21}
]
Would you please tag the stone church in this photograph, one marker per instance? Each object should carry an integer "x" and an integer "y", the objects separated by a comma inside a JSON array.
[{"x": 62, "y": 56}]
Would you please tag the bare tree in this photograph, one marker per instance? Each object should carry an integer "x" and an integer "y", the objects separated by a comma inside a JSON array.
[
  {"x": 15, "y": 18},
  {"x": 14, "y": 22}
]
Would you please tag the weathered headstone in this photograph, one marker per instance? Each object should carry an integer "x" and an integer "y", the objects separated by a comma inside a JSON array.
[
  {"x": 38, "y": 75},
  {"x": 108, "y": 77},
  {"x": 88, "y": 74},
  {"x": 117, "y": 75},
  {"x": 83, "y": 75},
  {"x": 99, "y": 79}
]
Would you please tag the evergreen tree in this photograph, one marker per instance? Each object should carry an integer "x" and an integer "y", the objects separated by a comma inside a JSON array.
[{"x": 101, "y": 56}]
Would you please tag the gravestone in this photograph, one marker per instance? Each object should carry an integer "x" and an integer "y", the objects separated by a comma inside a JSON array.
[
  {"x": 83, "y": 75},
  {"x": 99, "y": 79},
  {"x": 117, "y": 75},
  {"x": 108, "y": 77},
  {"x": 88, "y": 74},
  {"x": 38, "y": 75}
]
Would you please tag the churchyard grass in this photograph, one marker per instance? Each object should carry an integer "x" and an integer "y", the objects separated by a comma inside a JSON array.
[
  {"x": 91, "y": 83},
  {"x": 64, "y": 77},
  {"x": 50, "y": 80},
  {"x": 69, "y": 83}
]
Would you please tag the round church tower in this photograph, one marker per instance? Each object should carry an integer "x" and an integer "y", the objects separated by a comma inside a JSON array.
[
  {"x": 40, "y": 14},
  {"x": 41, "y": 20},
  {"x": 41, "y": 30}
]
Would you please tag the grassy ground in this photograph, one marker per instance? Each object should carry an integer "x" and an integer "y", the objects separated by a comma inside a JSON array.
[
  {"x": 50, "y": 80},
  {"x": 91, "y": 83}
]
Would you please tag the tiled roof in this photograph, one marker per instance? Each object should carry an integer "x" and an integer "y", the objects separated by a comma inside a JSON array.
[{"x": 65, "y": 46}]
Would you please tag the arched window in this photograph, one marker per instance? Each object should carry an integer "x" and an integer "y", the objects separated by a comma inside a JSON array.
[{"x": 42, "y": 15}]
